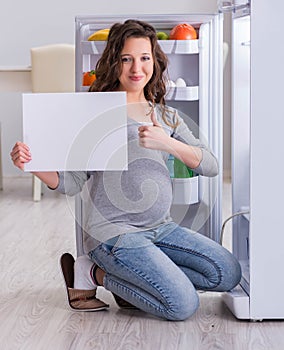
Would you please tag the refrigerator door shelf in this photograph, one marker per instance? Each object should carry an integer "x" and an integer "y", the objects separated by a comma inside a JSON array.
[
  {"x": 168, "y": 46},
  {"x": 185, "y": 191},
  {"x": 188, "y": 93},
  {"x": 234, "y": 5}
]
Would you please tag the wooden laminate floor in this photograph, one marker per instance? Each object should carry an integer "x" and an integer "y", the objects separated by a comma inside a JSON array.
[{"x": 33, "y": 309}]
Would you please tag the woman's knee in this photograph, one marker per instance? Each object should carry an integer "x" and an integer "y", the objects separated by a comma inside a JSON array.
[
  {"x": 231, "y": 274},
  {"x": 183, "y": 305}
]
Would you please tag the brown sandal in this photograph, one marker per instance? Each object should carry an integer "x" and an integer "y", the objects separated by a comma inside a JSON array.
[{"x": 78, "y": 300}]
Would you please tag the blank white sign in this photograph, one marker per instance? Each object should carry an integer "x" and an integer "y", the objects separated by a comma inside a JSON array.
[{"x": 75, "y": 131}]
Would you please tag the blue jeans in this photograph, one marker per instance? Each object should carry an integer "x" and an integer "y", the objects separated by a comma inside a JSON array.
[{"x": 159, "y": 270}]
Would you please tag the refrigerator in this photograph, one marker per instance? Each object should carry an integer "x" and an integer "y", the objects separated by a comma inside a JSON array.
[
  {"x": 257, "y": 133},
  {"x": 196, "y": 200},
  {"x": 256, "y": 140}
]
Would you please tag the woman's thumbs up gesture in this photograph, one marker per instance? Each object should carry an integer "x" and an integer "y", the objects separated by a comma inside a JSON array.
[{"x": 153, "y": 136}]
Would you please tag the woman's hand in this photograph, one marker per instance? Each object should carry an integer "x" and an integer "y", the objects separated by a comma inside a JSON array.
[
  {"x": 20, "y": 155},
  {"x": 153, "y": 136}
]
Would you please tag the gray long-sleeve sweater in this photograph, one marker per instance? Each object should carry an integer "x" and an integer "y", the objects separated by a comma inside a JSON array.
[{"x": 116, "y": 202}]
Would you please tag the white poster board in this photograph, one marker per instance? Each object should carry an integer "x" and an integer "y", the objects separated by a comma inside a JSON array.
[{"x": 75, "y": 131}]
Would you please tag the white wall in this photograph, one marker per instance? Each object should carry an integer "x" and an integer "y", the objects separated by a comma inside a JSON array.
[
  {"x": 35, "y": 22},
  {"x": 12, "y": 84},
  {"x": 57, "y": 25}
]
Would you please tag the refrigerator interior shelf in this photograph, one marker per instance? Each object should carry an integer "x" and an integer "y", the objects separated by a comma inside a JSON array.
[
  {"x": 84, "y": 88},
  {"x": 168, "y": 46},
  {"x": 185, "y": 191},
  {"x": 188, "y": 93},
  {"x": 179, "y": 46}
]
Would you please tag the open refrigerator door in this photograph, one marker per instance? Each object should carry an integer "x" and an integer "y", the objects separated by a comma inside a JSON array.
[{"x": 256, "y": 202}]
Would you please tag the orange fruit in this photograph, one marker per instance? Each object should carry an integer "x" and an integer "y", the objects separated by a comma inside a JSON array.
[
  {"x": 183, "y": 31},
  {"x": 89, "y": 78}
]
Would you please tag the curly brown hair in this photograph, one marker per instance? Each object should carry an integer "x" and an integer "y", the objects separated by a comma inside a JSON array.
[{"x": 109, "y": 67}]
